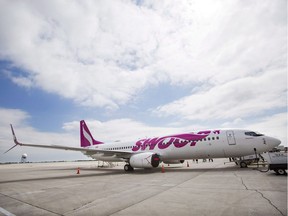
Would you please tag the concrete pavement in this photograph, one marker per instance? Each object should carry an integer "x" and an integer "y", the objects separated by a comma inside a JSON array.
[{"x": 200, "y": 189}]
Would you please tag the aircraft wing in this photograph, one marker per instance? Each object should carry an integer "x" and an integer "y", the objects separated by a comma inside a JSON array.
[{"x": 87, "y": 151}]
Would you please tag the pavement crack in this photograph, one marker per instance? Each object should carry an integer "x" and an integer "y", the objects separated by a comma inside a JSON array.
[
  {"x": 79, "y": 208},
  {"x": 257, "y": 191},
  {"x": 244, "y": 183},
  {"x": 269, "y": 201}
]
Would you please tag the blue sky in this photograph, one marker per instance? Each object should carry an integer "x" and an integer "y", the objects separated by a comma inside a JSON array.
[{"x": 151, "y": 68}]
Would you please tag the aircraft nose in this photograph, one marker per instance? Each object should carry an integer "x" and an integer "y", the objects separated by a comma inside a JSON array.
[
  {"x": 277, "y": 141},
  {"x": 273, "y": 142}
]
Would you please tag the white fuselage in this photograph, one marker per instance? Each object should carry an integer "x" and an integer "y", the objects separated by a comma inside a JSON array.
[{"x": 207, "y": 144}]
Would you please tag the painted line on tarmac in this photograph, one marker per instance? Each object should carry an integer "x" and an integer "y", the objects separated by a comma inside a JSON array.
[{"x": 5, "y": 212}]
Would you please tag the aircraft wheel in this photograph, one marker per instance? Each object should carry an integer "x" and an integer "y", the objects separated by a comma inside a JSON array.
[
  {"x": 243, "y": 164},
  {"x": 128, "y": 168}
]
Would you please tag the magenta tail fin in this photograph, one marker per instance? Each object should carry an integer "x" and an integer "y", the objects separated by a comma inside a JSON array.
[{"x": 86, "y": 137}]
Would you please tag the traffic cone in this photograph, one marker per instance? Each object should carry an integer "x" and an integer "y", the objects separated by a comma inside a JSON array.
[
  {"x": 187, "y": 164},
  {"x": 162, "y": 170},
  {"x": 78, "y": 170}
]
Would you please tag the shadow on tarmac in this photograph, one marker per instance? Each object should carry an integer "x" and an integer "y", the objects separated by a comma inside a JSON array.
[{"x": 115, "y": 172}]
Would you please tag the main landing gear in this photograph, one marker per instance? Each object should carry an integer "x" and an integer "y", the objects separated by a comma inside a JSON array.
[{"x": 128, "y": 168}]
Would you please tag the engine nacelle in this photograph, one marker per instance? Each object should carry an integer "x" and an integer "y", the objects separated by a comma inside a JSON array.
[
  {"x": 145, "y": 160},
  {"x": 173, "y": 161}
]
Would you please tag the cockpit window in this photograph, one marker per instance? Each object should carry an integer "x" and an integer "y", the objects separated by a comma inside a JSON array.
[{"x": 255, "y": 134}]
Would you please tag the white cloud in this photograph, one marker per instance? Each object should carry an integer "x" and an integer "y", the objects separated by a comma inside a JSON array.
[
  {"x": 244, "y": 97},
  {"x": 238, "y": 122},
  {"x": 12, "y": 116},
  {"x": 103, "y": 53},
  {"x": 121, "y": 129},
  {"x": 274, "y": 125},
  {"x": 27, "y": 134},
  {"x": 91, "y": 48},
  {"x": 19, "y": 80}
]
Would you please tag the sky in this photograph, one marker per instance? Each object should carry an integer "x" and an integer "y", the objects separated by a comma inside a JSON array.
[{"x": 141, "y": 68}]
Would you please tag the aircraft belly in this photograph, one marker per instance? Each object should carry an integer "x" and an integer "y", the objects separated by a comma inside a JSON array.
[{"x": 112, "y": 158}]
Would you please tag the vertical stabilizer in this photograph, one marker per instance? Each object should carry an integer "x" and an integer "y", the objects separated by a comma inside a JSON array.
[{"x": 86, "y": 137}]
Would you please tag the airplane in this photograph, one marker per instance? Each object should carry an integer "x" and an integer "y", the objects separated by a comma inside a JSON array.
[{"x": 171, "y": 149}]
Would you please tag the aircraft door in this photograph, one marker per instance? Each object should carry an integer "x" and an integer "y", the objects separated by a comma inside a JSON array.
[{"x": 231, "y": 138}]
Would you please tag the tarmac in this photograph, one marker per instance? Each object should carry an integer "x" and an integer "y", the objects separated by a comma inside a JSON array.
[{"x": 210, "y": 188}]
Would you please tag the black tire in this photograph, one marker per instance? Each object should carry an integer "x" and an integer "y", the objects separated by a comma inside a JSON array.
[
  {"x": 128, "y": 168},
  {"x": 280, "y": 171},
  {"x": 243, "y": 164}
]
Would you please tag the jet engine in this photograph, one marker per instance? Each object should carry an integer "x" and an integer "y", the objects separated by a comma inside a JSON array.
[
  {"x": 144, "y": 160},
  {"x": 173, "y": 161}
]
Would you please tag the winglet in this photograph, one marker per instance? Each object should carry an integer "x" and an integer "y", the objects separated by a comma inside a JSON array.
[{"x": 14, "y": 138}]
